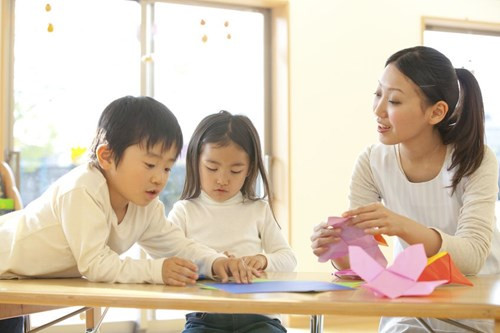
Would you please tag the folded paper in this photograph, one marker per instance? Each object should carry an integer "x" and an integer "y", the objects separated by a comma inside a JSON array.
[
  {"x": 347, "y": 274},
  {"x": 351, "y": 235},
  {"x": 399, "y": 279},
  {"x": 441, "y": 267}
]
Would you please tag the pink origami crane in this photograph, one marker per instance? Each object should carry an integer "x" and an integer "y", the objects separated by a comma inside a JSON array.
[
  {"x": 351, "y": 235},
  {"x": 400, "y": 279}
]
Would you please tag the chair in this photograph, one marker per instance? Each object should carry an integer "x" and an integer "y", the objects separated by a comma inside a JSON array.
[{"x": 11, "y": 191}]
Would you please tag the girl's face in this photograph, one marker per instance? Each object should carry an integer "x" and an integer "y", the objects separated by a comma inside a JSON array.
[
  {"x": 401, "y": 113},
  {"x": 140, "y": 176},
  {"x": 223, "y": 170}
]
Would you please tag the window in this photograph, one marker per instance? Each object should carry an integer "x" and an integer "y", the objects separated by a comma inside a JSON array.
[
  {"x": 72, "y": 58},
  {"x": 207, "y": 59},
  {"x": 479, "y": 53},
  {"x": 199, "y": 60},
  {"x": 63, "y": 80},
  {"x": 478, "y": 50}
]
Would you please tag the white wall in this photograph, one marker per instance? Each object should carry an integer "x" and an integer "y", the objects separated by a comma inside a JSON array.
[{"x": 337, "y": 51}]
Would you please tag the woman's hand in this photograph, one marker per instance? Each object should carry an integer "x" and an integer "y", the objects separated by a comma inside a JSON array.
[
  {"x": 376, "y": 219},
  {"x": 235, "y": 267},
  {"x": 323, "y": 235}
]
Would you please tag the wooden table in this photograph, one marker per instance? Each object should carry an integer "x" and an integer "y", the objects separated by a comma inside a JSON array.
[{"x": 449, "y": 301}]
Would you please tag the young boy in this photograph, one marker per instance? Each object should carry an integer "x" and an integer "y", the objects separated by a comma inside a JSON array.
[{"x": 97, "y": 211}]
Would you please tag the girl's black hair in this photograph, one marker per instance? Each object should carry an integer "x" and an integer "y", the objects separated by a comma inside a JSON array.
[
  {"x": 221, "y": 129},
  {"x": 438, "y": 80},
  {"x": 135, "y": 120}
]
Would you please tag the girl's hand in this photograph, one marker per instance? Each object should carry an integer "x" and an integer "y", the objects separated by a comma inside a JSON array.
[
  {"x": 375, "y": 219},
  {"x": 235, "y": 267},
  {"x": 322, "y": 236},
  {"x": 179, "y": 272},
  {"x": 258, "y": 261},
  {"x": 229, "y": 255}
]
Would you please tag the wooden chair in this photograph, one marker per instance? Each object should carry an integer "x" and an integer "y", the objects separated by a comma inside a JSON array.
[{"x": 9, "y": 181}]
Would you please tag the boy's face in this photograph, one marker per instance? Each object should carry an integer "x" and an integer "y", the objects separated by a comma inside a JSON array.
[
  {"x": 223, "y": 170},
  {"x": 140, "y": 176}
]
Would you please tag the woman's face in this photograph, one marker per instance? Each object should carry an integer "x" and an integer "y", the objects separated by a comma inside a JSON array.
[{"x": 402, "y": 115}]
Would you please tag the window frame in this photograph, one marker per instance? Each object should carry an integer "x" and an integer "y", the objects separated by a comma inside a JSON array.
[{"x": 277, "y": 118}]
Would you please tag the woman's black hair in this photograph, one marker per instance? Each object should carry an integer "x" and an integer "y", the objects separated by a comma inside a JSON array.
[
  {"x": 438, "y": 80},
  {"x": 135, "y": 120}
]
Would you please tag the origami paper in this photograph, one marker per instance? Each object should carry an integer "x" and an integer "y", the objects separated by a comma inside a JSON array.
[
  {"x": 351, "y": 235},
  {"x": 441, "y": 267},
  {"x": 347, "y": 274},
  {"x": 276, "y": 286},
  {"x": 399, "y": 279}
]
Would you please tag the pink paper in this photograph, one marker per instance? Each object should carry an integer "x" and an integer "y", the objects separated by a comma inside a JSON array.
[
  {"x": 351, "y": 236},
  {"x": 400, "y": 279}
]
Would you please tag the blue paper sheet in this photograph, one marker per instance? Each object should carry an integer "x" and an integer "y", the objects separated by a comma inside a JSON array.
[{"x": 277, "y": 286}]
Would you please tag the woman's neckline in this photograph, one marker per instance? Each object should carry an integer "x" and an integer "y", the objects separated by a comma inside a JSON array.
[{"x": 397, "y": 152}]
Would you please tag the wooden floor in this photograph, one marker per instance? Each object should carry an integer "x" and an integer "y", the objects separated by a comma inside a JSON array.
[{"x": 294, "y": 324}]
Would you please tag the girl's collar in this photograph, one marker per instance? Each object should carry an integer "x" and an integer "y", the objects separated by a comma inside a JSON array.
[{"x": 237, "y": 198}]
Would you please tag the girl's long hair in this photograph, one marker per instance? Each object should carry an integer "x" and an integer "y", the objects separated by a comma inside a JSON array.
[{"x": 221, "y": 129}]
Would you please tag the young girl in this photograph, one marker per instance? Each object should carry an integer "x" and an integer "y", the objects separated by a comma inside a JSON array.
[
  {"x": 97, "y": 211},
  {"x": 220, "y": 209},
  {"x": 432, "y": 180}
]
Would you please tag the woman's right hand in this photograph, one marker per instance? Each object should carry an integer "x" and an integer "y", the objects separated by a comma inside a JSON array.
[{"x": 323, "y": 235}]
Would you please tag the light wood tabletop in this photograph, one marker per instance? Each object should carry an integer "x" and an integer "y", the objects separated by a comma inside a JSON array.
[{"x": 448, "y": 301}]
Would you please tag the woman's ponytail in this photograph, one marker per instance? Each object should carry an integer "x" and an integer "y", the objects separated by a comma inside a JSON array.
[{"x": 465, "y": 128}]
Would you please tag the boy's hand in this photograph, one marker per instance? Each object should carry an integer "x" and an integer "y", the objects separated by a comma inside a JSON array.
[
  {"x": 179, "y": 272},
  {"x": 235, "y": 267},
  {"x": 258, "y": 261}
]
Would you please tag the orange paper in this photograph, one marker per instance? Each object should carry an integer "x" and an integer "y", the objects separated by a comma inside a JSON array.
[
  {"x": 380, "y": 239},
  {"x": 441, "y": 267}
]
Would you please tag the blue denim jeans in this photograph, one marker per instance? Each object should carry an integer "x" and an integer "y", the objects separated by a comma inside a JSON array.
[
  {"x": 202, "y": 322},
  {"x": 12, "y": 325}
]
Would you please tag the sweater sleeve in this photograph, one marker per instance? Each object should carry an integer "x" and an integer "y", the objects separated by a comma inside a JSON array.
[
  {"x": 280, "y": 257},
  {"x": 87, "y": 229},
  {"x": 470, "y": 245},
  {"x": 363, "y": 190},
  {"x": 178, "y": 216},
  {"x": 166, "y": 239}
]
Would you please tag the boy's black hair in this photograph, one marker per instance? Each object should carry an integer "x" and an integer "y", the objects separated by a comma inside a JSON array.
[{"x": 135, "y": 120}]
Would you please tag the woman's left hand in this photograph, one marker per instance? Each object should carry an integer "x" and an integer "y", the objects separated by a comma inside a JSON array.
[{"x": 376, "y": 219}]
